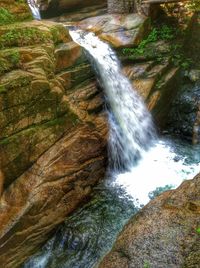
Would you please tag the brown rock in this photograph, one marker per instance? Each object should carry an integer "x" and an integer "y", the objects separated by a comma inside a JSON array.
[
  {"x": 164, "y": 234},
  {"x": 52, "y": 135},
  {"x": 118, "y": 30},
  {"x": 1, "y": 182},
  {"x": 68, "y": 55},
  {"x": 51, "y": 189}
]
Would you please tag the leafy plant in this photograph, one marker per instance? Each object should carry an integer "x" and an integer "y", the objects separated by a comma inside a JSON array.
[
  {"x": 163, "y": 33},
  {"x": 198, "y": 230},
  {"x": 146, "y": 264}
]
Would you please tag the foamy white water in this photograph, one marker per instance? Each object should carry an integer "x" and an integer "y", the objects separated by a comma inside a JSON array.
[
  {"x": 131, "y": 127},
  {"x": 132, "y": 134},
  {"x": 159, "y": 167},
  {"x": 34, "y": 9}
]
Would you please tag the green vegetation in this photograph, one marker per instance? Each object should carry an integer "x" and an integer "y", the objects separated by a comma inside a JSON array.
[
  {"x": 2, "y": 89},
  {"x": 16, "y": 36},
  {"x": 5, "y": 16},
  {"x": 149, "y": 47},
  {"x": 14, "y": 56},
  {"x": 146, "y": 264},
  {"x": 198, "y": 230},
  {"x": 194, "y": 5},
  {"x": 163, "y": 33},
  {"x": 20, "y": 1},
  {"x": 9, "y": 60}
]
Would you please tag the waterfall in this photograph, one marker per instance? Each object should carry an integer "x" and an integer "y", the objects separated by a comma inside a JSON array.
[
  {"x": 131, "y": 127},
  {"x": 34, "y": 9},
  {"x": 88, "y": 234}
]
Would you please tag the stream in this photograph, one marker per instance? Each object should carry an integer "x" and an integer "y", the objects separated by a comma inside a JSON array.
[{"x": 141, "y": 165}]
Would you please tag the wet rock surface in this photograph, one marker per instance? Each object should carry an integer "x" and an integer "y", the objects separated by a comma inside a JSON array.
[
  {"x": 118, "y": 30},
  {"x": 183, "y": 119},
  {"x": 163, "y": 234},
  {"x": 52, "y": 138}
]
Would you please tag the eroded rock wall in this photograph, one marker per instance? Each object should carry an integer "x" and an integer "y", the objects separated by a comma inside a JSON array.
[{"x": 52, "y": 137}]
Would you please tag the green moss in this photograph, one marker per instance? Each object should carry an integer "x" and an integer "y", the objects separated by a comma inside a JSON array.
[
  {"x": 55, "y": 34},
  {"x": 5, "y": 16},
  {"x": 59, "y": 34},
  {"x": 20, "y": 1},
  {"x": 194, "y": 5},
  {"x": 9, "y": 60},
  {"x": 146, "y": 264},
  {"x": 17, "y": 36},
  {"x": 4, "y": 65},
  {"x": 2, "y": 89},
  {"x": 14, "y": 57}
]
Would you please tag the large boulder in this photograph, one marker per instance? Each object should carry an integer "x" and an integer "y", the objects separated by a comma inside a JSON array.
[
  {"x": 164, "y": 234},
  {"x": 52, "y": 134},
  {"x": 118, "y": 30}
]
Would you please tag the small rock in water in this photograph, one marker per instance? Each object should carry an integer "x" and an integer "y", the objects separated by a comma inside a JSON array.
[
  {"x": 194, "y": 75},
  {"x": 176, "y": 159}
]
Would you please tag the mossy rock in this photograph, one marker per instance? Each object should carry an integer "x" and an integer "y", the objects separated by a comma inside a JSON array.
[
  {"x": 9, "y": 60},
  {"x": 33, "y": 33},
  {"x": 20, "y": 150},
  {"x": 13, "y": 11}
]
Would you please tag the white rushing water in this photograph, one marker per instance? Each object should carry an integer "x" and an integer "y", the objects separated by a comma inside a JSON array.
[
  {"x": 34, "y": 9},
  {"x": 149, "y": 163},
  {"x": 131, "y": 127}
]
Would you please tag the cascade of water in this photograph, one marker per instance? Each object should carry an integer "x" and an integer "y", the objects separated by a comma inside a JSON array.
[
  {"x": 34, "y": 9},
  {"x": 131, "y": 127},
  {"x": 89, "y": 233}
]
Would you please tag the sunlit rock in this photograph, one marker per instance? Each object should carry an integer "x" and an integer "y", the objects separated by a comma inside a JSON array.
[{"x": 163, "y": 234}]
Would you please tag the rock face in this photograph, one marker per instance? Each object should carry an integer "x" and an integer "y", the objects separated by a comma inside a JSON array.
[
  {"x": 54, "y": 7},
  {"x": 120, "y": 7},
  {"x": 52, "y": 137},
  {"x": 118, "y": 30},
  {"x": 184, "y": 115},
  {"x": 164, "y": 234}
]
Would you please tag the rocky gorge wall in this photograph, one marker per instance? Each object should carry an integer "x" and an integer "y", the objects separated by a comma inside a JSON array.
[
  {"x": 53, "y": 129},
  {"x": 53, "y": 133}
]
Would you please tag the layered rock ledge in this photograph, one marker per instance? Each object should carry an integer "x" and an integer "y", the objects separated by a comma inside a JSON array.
[{"x": 53, "y": 134}]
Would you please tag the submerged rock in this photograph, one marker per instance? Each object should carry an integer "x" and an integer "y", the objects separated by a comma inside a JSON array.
[{"x": 165, "y": 233}]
